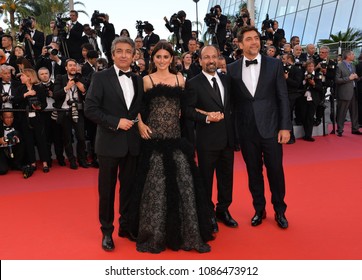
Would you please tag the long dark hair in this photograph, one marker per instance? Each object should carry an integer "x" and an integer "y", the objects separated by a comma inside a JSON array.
[{"x": 162, "y": 45}]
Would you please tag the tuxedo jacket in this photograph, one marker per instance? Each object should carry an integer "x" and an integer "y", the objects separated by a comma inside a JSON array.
[
  {"x": 269, "y": 109},
  {"x": 107, "y": 36},
  {"x": 38, "y": 37},
  {"x": 47, "y": 63},
  {"x": 85, "y": 39},
  {"x": 151, "y": 40},
  {"x": 105, "y": 105},
  {"x": 59, "y": 93},
  {"x": 201, "y": 95},
  {"x": 344, "y": 86},
  {"x": 185, "y": 33},
  {"x": 14, "y": 85},
  {"x": 87, "y": 73},
  {"x": 74, "y": 41}
]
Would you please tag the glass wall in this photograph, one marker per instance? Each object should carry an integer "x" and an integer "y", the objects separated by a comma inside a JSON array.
[{"x": 311, "y": 20}]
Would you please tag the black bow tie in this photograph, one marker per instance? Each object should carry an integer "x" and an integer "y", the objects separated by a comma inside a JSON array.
[
  {"x": 7, "y": 51},
  {"x": 4, "y": 83},
  {"x": 249, "y": 62},
  {"x": 128, "y": 74}
]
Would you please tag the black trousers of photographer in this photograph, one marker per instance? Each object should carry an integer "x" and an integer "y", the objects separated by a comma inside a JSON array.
[
  {"x": 307, "y": 111},
  {"x": 33, "y": 131},
  {"x": 67, "y": 123},
  {"x": 6, "y": 162}
]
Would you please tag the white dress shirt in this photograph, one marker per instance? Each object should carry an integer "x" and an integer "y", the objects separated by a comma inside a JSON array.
[
  {"x": 251, "y": 74},
  {"x": 219, "y": 83},
  {"x": 126, "y": 85}
]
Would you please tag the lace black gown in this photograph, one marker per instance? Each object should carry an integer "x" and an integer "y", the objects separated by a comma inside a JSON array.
[{"x": 171, "y": 209}]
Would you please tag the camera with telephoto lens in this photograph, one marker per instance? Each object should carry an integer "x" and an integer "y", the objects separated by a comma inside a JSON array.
[
  {"x": 135, "y": 68},
  {"x": 286, "y": 68},
  {"x": 140, "y": 26},
  {"x": 77, "y": 77},
  {"x": 5, "y": 97},
  {"x": 61, "y": 23},
  {"x": 324, "y": 64},
  {"x": 51, "y": 51},
  {"x": 210, "y": 19},
  {"x": 309, "y": 76},
  {"x": 175, "y": 20},
  {"x": 26, "y": 25},
  {"x": 11, "y": 137},
  {"x": 267, "y": 23},
  {"x": 239, "y": 19},
  {"x": 97, "y": 18},
  {"x": 74, "y": 110}
]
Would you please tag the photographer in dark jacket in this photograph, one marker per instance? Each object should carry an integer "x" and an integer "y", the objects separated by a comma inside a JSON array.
[
  {"x": 313, "y": 87},
  {"x": 11, "y": 145},
  {"x": 69, "y": 90},
  {"x": 107, "y": 36},
  {"x": 294, "y": 78},
  {"x": 74, "y": 36},
  {"x": 327, "y": 68},
  {"x": 50, "y": 58},
  {"x": 181, "y": 27},
  {"x": 31, "y": 97}
]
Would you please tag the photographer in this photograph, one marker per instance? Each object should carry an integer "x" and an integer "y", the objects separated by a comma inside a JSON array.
[
  {"x": 11, "y": 148},
  {"x": 8, "y": 87},
  {"x": 216, "y": 23},
  {"x": 181, "y": 27},
  {"x": 294, "y": 78},
  {"x": 312, "y": 85},
  {"x": 50, "y": 58},
  {"x": 69, "y": 90},
  {"x": 327, "y": 68},
  {"x": 90, "y": 37},
  {"x": 242, "y": 20},
  {"x": 53, "y": 130},
  {"x": 7, "y": 47},
  {"x": 150, "y": 39},
  {"x": 107, "y": 36},
  {"x": 32, "y": 97},
  {"x": 34, "y": 39},
  {"x": 74, "y": 37}
]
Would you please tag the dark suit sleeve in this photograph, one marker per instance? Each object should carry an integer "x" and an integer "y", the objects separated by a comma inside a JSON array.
[
  {"x": 283, "y": 100},
  {"x": 94, "y": 107},
  {"x": 190, "y": 101}
]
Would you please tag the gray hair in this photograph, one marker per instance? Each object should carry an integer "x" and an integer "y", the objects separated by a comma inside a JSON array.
[
  {"x": 123, "y": 39},
  {"x": 6, "y": 68},
  {"x": 346, "y": 53},
  {"x": 325, "y": 48}
]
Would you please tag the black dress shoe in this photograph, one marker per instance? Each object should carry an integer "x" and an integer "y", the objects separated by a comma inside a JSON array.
[
  {"x": 126, "y": 234},
  {"x": 61, "y": 162},
  {"x": 357, "y": 132},
  {"x": 339, "y": 134},
  {"x": 281, "y": 220},
  {"x": 83, "y": 164},
  {"x": 46, "y": 169},
  {"x": 73, "y": 165},
  {"x": 309, "y": 139},
  {"x": 214, "y": 225},
  {"x": 107, "y": 243},
  {"x": 258, "y": 218},
  {"x": 226, "y": 218}
]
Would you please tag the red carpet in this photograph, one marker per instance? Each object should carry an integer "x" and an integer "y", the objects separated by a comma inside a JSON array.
[{"x": 54, "y": 215}]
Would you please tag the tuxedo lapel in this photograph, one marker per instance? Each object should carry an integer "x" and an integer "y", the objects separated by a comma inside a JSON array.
[
  {"x": 113, "y": 79},
  {"x": 210, "y": 90},
  {"x": 242, "y": 84},
  {"x": 262, "y": 74},
  {"x": 226, "y": 93},
  {"x": 135, "y": 88}
]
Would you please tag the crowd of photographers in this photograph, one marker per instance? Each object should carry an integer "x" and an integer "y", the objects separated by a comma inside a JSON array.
[{"x": 44, "y": 79}]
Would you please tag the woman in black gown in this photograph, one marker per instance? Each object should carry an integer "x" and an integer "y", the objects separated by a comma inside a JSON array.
[{"x": 171, "y": 212}]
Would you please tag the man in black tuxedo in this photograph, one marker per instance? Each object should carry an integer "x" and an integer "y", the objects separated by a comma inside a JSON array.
[
  {"x": 208, "y": 104},
  {"x": 181, "y": 27},
  {"x": 90, "y": 37},
  {"x": 50, "y": 58},
  {"x": 74, "y": 37},
  {"x": 34, "y": 41},
  {"x": 263, "y": 121},
  {"x": 8, "y": 87},
  {"x": 7, "y": 47},
  {"x": 113, "y": 102},
  {"x": 107, "y": 36},
  {"x": 150, "y": 39},
  {"x": 220, "y": 29},
  {"x": 69, "y": 92}
]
